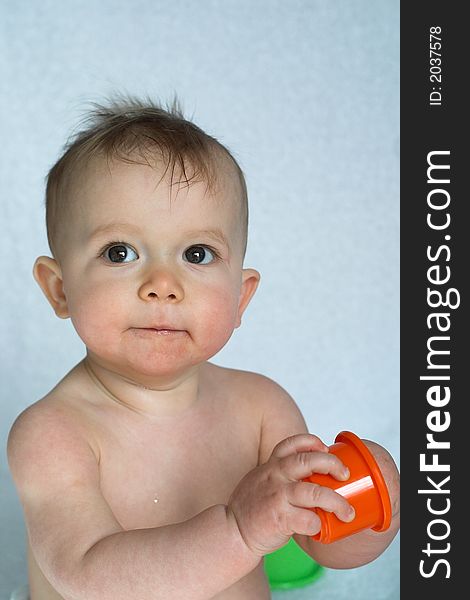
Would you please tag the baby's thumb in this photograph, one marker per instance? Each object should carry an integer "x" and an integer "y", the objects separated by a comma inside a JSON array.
[{"x": 302, "y": 442}]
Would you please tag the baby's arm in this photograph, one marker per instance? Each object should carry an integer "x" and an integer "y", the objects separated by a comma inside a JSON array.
[
  {"x": 365, "y": 546},
  {"x": 271, "y": 502},
  {"x": 282, "y": 419},
  {"x": 81, "y": 547}
]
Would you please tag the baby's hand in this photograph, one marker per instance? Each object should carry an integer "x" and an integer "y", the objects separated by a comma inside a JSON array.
[{"x": 271, "y": 502}]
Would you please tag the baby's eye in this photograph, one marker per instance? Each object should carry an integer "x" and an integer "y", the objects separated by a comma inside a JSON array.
[
  {"x": 120, "y": 253},
  {"x": 199, "y": 255}
]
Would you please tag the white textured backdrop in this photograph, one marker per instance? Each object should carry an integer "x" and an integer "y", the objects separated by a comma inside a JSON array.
[{"x": 306, "y": 95}]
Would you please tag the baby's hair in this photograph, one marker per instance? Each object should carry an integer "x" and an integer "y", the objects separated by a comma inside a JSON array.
[{"x": 141, "y": 132}]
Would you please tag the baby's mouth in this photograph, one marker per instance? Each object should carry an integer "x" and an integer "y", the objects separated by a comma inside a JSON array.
[
  {"x": 160, "y": 330},
  {"x": 163, "y": 331}
]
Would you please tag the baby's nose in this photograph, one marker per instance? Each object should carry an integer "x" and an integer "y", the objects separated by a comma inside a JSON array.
[{"x": 163, "y": 286}]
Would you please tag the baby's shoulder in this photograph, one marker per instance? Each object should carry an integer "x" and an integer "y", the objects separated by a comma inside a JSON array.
[
  {"x": 275, "y": 409},
  {"x": 52, "y": 417},
  {"x": 250, "y": 383},
  {"x": 44, "y": 417},
  {"x": 256, "y": 389},
  {"x": 43, "y": 436}
]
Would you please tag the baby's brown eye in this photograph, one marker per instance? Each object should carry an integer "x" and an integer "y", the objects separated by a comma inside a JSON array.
[
  {"x": 120, "y": 253},
  {"x": 198, "y": 254}
]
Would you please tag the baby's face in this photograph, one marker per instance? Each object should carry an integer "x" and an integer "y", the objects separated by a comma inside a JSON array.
[{"x": 153, "y": 286}]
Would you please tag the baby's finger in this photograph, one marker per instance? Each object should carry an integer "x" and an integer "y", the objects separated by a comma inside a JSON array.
[
  {"x": 302, "y": 442},
  {"x": 301, "y": 465},
  {"x": 311, "y": 495},
  {"x": 304, "y": 522}
]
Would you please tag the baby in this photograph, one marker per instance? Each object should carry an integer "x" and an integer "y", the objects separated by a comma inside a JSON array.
[{"x": 149, "y": 472}]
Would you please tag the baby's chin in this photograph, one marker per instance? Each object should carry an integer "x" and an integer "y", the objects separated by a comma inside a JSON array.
[
  {"x": 146, "y": 370},
  {"x": 151, "y": 357},
  {"x": 151, "y": 370}
]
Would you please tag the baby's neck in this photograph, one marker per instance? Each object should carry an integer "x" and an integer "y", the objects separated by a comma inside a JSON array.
[{"x": 167, "y": 397}]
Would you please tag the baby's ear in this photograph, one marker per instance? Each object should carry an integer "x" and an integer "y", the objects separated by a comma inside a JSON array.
[
  {"x": 48, "y": 274},
  {"x": 250, "y": 281}
]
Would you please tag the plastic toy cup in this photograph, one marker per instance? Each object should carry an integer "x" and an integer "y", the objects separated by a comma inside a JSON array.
[
  {"x": 365, "y": 490},
  {"x": 290, "y": 567}
]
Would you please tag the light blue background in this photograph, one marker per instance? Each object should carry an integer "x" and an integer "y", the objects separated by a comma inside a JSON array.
[{"x": 306, "y": 95}]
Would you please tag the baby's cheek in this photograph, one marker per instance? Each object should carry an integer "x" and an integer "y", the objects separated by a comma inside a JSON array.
[
  {"x": 217, "y": 320},
  {"x": 92, "y": 316}
]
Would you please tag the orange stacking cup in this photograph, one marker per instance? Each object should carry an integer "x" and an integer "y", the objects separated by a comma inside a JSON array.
[{"x": 365, "y": 490}]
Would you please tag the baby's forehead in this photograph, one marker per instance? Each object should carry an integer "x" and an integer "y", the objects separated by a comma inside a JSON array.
[
  {"x": 220, "y": 173},
  {"x": 113, "y": 190},
  {"x": 104, "y": 177}
]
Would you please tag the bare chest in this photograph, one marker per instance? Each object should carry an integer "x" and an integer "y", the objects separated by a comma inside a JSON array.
[{"x": 153, "y": 476}]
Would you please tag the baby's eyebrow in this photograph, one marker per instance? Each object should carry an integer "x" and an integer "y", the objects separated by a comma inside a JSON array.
[
  {"x": 216, "y": 234},
  {"x": 113, "y": 227}
]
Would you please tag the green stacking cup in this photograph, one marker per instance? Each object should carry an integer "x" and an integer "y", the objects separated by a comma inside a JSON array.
[{"x": 290, "y": 567}]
